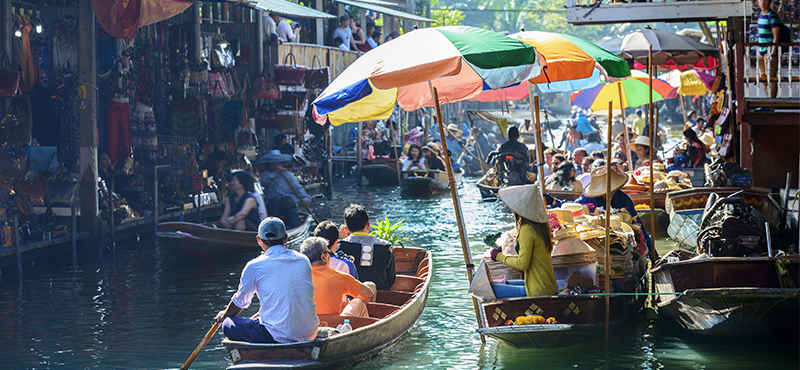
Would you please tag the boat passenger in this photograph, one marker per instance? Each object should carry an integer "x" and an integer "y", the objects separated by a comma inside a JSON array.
[
  {"x": 453, "y": 138},
  {"x": 577, "y": 159},
  {"x": 513, "y": 144},
  {"x": 339, "y": 260},
  {"x": 582, "y": 123},
  {"x": 282, "y": 144},
  {"x": 105, "y": 170},
  {"x": 432, "y": 160},
  {"x": 415, "y": 160},
  {"x": 285, "y": 315},
  {"x": 564, "y": 179},
  {"x": 588, "y": 165},
  {"x": 641, "y": 146},
  {"x": 331, "y": 285},
  {"x": 594, "y": 143},
  {"x": 241, "y": 209},
  {"x": 282, "y": 191},
  {"x": 548, "y": 160},
  {"x": 214, "y": 163},
  {"x": 374, "y": 257},
  {"x": 571, "y": 138},
  {"x": 532, "y": 232},
  {"x": 695, "y": 152},
  {"x": 595, "y": 194}
]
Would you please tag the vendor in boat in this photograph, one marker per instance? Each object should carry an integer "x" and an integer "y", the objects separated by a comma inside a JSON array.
[
  {"x": 453, "y": 139},
  {"x": 214, "y": 163},
  {"x": 564, "y": 179},
  {"x": 414, "y": 160},
  {"x": 241, "y": 209},
  {"x": 532, "y": 231},
  {"x": 595, "y": 194},
  {"x": 432, "y": 160},
  {"x": 282, "y": 191},
  {"x": 692, "y": 153},
  {"x": 331, "y": 285},
  {"x": 339, "y": 261},
  {"x": 375, "y": 259},
  {"x": 641, "y": 146},
  {"x": 287, "y": 313},
  {"x": 513, "y": 144},
  {"x": 282, "y": 144}
]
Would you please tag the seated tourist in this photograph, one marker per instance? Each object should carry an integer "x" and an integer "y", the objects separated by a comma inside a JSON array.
[
  {"x": 282, "y": 191},
  {"x": 339, "y": 261},
  {"x": 330, "y": 285},
  {"x": 374, "y": 257},
  {"x": 286, "y": 315},
  {"x": 241, "y": 210}
]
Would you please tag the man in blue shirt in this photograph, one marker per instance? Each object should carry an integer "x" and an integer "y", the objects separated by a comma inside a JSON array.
[
  {"x": 583, "y": 123},
  {"x": 768, "y": 32},
  {"x": 282, "y": 191}
]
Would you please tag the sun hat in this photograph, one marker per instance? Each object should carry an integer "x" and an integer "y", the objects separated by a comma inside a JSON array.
[
  {"x": 640, "y": 140},
  {"x": 597, "y": 186},
  {"x": 708, "y": 139},
  {"x": 274, "y": 156},
  {"x": 578, "y": 211},
  {"x": 526, "y": 201},
  {"x": 454, "y": 129},
  {"x": 272, "y": 228},
  {"x": 570, "y": 250},
  {"x": 564, "y": 215}
]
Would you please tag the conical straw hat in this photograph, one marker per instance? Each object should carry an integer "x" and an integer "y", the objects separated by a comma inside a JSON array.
[
  {"x": 526, "y": 201},
  {"x": 597, "y": 187}
]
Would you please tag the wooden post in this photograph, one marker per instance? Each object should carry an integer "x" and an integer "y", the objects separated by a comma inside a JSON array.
[
  {"x": 534, "y": 100},
  {"x": 329, "y": 148},
  {"x": 259, "y": 49},
  {"x": 359, "y": 149},
  {"x": 196, "y": 52},
  {"x": 87, "y": 76},
  {"x": 397, "y": 162},
  {"x": 607, "y": 259},
  {"x": 319, "y": 23},
  {"x": 683, "y": 109},
  {"x": 462, "y": 232},
  {"x": 624, "y": 127},
  {"x": 651, "y": 71},
  {"x": 17, "y": 250}
]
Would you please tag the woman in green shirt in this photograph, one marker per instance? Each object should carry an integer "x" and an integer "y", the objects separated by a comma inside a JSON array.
[{"x": 534, "y": 243}]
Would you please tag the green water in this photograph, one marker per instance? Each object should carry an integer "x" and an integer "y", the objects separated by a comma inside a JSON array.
[{"x": 138, "y": 307}]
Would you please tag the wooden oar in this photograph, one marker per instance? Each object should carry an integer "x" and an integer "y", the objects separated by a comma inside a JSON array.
[
  {"x": 297, "y": 194},
  {"x": 203, "y": 342}
]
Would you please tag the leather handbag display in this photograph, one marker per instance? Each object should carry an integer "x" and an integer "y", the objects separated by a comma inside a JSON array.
[
  {"x": 289, "y": 74},
  {"x": 32, "y": 188},
  {"x": 288, "y": 123},
  {"x": 266, "y": 118},
  {"x": 62, "y": 188},
  {"x": 266, "y": 88},
  {"x": 291, "y": 100},
  {"x": 317, "y": 78}
]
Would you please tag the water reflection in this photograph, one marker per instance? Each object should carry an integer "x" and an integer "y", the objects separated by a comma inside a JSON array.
[{"x": 140, "y": 307}]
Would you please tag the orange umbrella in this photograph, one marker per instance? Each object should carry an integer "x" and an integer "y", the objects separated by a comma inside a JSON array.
[{"x": 122, "y": 18}]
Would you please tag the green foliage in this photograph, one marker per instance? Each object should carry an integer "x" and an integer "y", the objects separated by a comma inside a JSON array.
[
  {"x": 445, "y": 15},
  {"x": 390, "y": 232}
]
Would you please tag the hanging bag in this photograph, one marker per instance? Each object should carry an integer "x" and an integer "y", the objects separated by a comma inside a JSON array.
[
  {"x": 12, "y": 157},
  {"x": 289, "y": 74},
  {"x": 291, "y": 100},
  {"x": 266, "y": 88},
  {"x": 317, "y": 78},
  {"x": 9, "y": 80},
  {"x": 62, "y": 188},
  {"x": 32, "y": 184}
]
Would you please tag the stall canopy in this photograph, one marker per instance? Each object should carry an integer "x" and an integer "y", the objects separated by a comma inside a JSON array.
[
  {"x": 385, "y": 10},
  {"x": 121, "y": 19},
  {"x": 290, "y": 9},
  {"x": 378, "y": 2}
]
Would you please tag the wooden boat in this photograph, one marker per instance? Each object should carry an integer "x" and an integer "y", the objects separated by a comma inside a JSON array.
[
  {"x": 580, "y": 317},
  {"x": 727, "y": 296},
  {"x": 662, "y": 222},
  {"x": 380, "y": 172},
  {"x": 207, "y": 241},
  {"x": 394, "y": 313},
  {"x": 486, "y": 186},
  {"x": 427, "y": 182},
  {"x": 644, "y": 198},
  {"x": 316, "y": 190}
]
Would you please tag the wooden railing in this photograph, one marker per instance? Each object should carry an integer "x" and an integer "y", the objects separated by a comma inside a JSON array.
[
  {"x": 334, "y": 58},
  {"x": 788, "y": 71}
]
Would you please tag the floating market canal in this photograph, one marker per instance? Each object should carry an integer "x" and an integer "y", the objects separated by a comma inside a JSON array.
[{"x": 139, "y": 307}]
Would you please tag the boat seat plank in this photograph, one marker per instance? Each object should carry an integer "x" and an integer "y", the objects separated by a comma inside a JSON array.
[
  {"x": 356, "y": 322},
  {"x": 381, "y": 310},
  {"x": 393, "y": 297},
  {"x": 404, "y": 283}
]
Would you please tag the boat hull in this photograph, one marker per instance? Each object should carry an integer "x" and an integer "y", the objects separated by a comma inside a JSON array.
[
  {"x": 380, "y": 174},
  {"x": 397, "y": 310},
  {"x": 727, "y": 296},
  {"x": 427, "y": 183},
  {"x": 203, "y": 241},
  {"x": 696, "y": 198}
]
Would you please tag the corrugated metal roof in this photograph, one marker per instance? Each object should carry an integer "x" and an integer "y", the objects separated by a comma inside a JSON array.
[
  {"x": 385, "y": 10},
  {"x": 378, "y": 2},
  {"x": 289, "y": 8}
]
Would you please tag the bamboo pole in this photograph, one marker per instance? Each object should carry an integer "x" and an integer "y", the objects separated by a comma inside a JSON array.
[
  {"x": 624, "y": 127},
  {"x": 650, "y": 71},
  {"x": 683, "y": 109},
  {"x": 539, "y": 154},
  {"x": 606, "y": 261},
  {"x": 398, "y": 164},
  {"x": 462, "y": 232}
]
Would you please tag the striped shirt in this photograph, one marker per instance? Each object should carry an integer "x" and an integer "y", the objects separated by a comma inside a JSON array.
[{"x": 766, "y": 22}]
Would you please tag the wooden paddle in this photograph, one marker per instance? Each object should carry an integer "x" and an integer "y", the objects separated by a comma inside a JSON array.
[
  {"x": 203, "y": 342},
  {"x": 297, "y": 194}
]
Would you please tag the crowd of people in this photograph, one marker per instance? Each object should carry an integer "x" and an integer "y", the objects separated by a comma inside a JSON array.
[{"x": 338, "y": 271}]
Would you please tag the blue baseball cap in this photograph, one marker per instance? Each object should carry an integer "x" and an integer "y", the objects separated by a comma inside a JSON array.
[{"x": 272, "y": 228}]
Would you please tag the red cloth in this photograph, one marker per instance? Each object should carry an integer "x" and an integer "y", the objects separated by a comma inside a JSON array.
[
  {"x": 118, "y": 145},
  {"x": 121, "y": 18}
]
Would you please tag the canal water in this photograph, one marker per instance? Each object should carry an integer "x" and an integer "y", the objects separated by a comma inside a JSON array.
[{"x": 136, "y": 306}]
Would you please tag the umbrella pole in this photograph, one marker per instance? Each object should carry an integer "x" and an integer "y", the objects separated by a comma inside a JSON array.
[
  {"x": 398, "y": 165},
  {"x": 607, "y": 263},
  {"x": 472, "y": 133},
  {"x": 683, "y": 109},
  {"x": 539, "y": 155},
  {"x": 650, "y": 70},
  {"x": 462, "y": 232},
  {"x": 624, "y": 125}
]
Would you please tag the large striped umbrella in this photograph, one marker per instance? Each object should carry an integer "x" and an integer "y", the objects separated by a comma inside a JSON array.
[
  {"x": 691, "y": 82},
  {"x": 635, "y": 92},
  {"x": 459, "y": 61}
]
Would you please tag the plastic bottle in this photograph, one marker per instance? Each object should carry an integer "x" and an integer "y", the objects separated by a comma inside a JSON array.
[{"x": 346, "y": 328}]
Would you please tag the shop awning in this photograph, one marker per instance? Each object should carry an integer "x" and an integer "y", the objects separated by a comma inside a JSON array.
[
  {"x": 290, "y": 9},
  {"x": 378, "y": 2},
  {"x": 385, "y": 10}
]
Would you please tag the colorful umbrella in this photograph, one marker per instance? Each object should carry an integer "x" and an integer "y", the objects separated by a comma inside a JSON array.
[
  {"x": 635, "y": 92},
  {"x": 690, "y": 82},
  {"x": 121, "y": 18},
  {"x": 459, "y": 61},
  {"x": 666, "y": 46},
  {"x": 572, "y": 64},
  {"x": 705, "y": 63}
]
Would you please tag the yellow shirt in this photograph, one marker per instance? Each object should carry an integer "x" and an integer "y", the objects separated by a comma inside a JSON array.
[
  {"x": 534, "y": 259},
  {"x": 638, "y": 125}
]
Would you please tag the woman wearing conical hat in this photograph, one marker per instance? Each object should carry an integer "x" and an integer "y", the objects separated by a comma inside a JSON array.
[
  {"x": 532, "y": 231},
  {"x": 595, "y": 194}
]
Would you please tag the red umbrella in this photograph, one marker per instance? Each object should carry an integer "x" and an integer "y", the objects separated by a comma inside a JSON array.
[{"x": 121, "y": 18}]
